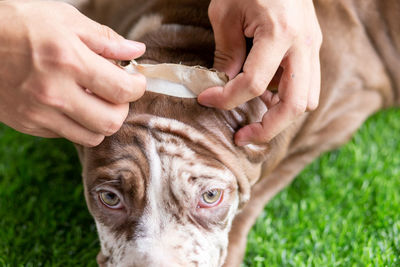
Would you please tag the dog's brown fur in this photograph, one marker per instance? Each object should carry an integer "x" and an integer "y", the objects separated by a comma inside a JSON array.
[{"x": 360, "y": 63}]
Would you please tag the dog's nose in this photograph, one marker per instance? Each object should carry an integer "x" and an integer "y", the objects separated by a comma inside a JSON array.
[
  {"x": 162, "y": 262},
  {"x": 101, "y": 260},
  {"x": 157, "y": 264},
  {"x": 159, "y": 259}
]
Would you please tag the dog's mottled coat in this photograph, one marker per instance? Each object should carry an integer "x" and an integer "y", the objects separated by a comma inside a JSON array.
[{"x": 170, "y": 150}]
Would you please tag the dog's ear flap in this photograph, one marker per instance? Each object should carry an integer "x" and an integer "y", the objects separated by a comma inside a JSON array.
[
  {"x": 246, "y": 166},
  {"x": 256, "y": 153}
]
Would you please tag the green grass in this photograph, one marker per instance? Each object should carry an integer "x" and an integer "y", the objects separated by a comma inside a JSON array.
[{"x": 343, "y": 210}]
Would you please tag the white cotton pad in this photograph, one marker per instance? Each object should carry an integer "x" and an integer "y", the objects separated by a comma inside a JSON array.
[{"x": 176, "y": 79}]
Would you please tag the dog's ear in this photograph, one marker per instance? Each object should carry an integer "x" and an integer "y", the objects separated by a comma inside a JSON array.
[{"x": 256, "y": 153}]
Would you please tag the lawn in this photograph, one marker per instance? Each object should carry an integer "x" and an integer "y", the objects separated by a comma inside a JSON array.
[{"x": 343, "y": 209}]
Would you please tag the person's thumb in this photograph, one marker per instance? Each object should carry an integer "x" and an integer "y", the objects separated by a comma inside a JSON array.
[
  {"x": 106, "y": 42},
  {"x": 230, "y": 43}
]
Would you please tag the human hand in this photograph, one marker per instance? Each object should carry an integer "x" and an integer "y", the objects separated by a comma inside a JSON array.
[
  {"x": 55, "y": 80},
  {"x": 287, "y": 35}
]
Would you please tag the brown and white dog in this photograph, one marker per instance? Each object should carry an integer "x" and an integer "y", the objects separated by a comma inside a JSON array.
[{"x": 171, "y": 188}]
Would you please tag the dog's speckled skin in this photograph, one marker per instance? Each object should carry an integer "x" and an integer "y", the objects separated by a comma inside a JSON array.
[{"x": 171, "y": 150}]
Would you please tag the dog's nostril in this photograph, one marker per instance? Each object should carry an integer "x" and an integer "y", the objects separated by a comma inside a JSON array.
[{"x": 101, "y": 259}]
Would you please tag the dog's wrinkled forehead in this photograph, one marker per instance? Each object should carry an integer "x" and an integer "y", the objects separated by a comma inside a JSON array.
[{"x": 165, "y": 182}]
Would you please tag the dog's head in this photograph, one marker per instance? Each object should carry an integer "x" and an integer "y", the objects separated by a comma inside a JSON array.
[{"x": 164, "y": 191}]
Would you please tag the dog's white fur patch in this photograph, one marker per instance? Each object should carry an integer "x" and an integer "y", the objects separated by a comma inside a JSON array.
[{"x": 159, "y": 240}]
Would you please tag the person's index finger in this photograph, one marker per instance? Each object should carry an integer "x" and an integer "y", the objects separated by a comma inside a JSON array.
[
  {"x": 264, "y": 58},
  {"x": 293, "y": 94},
  {"x": 230, "y": 48},
  {"x": 274, "y": 121},
  {"x": 109, "y": 81},
  {"x": 104, "y": 41},
  {"x": 259, "y": 68}
]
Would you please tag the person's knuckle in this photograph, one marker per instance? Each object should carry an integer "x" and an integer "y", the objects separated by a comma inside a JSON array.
[
  {"x": 70, "y": 63},
  {"x": 122, "y": 93},
  {"x": 113, "y": 125},
  {"x": 280, "y": 27},
  {"x": 94, "y": 140},
  {"x": 221, "y": 57},
  {"x": 46, "y": 95},
  {"x": 30, "y": 118},
  {"x": 256, "y": 86},
  {"x": 53, "y": 51},
  {"x": 68, "y": 60},
  {"x": 139, "y": 86},
  {"x": 111, "y": 128},
  {"x": 130, "y": 88},
  {"x": 73, "y": 10},
  {"x": 107, "y": 32},
  {"x": 214, "y": 12},
  {"x": 122, "y": 116},
  {"x": 66, "y": 7},
  {"x": 33, "y": 117},
  {"x": 28, "y": 126},
  {"x": 24, "y": 109},
  {"x": 58, "y": 55},
  {"x": 288, "y": 30},
  {"x": 319, "y": 38},
  {"x": 313, "y": 104},
  {"x": 42, "y": 92},
  {"x": 297, "y": 107}
]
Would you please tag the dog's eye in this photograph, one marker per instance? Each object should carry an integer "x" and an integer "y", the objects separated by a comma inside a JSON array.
[
  {"x": 110, "y": 199},
  {"x": 210, "y": 198}
]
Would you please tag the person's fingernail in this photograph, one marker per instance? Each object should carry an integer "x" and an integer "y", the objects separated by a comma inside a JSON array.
[
  {"x": 207, "y": 97},
  {"x": 206, "y": 103},
  {"x": 243, "y": 142},
  {"x": 204, "y": 100},
  {"x": 135, "y": 45}
]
